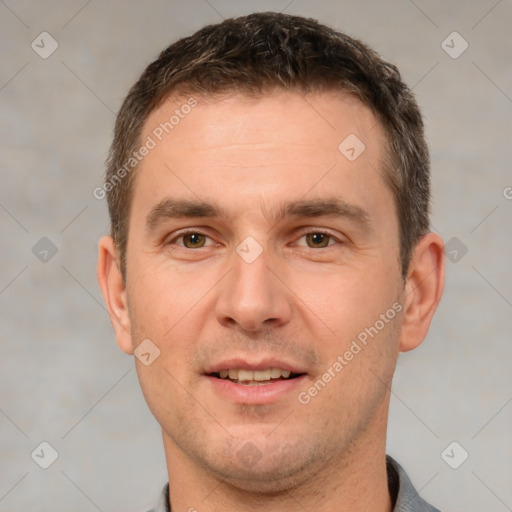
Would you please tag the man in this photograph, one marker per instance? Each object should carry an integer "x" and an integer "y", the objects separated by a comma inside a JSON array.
[{"x": 270, "y": 256}]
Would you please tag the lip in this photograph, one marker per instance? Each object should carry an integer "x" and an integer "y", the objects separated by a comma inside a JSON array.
[
  {"x": 262, "y": 394},
  {"x": 262, "y": 364}
]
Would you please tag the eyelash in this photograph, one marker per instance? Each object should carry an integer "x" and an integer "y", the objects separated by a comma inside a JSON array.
[{"x": 309, "y": 231}]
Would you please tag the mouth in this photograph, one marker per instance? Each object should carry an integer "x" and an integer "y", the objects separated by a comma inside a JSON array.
[
  {"x": 267, "y": 381},
  {"x": 246, "y": 377}
]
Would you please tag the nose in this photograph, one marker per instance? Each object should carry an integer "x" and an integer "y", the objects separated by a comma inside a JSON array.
[{"x": 252, "y": 297}]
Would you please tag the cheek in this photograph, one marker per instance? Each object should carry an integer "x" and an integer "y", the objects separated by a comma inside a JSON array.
[
  {"x": 160, "y": 297},
  {"x": 358, "y": 314},
  {"x": 170, "y": 308},
  {"x": 163, "y": 392},
  {"x": 347, "y": 300},
  {"x": 363, "y": 359}
]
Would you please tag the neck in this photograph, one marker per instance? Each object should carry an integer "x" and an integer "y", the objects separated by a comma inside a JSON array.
[{"x": 355, "y": 481}]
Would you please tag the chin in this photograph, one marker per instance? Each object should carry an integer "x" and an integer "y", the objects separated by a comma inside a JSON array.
[
  {"x": 267, "y": 481},
  {"x": 272, "y": 471}
]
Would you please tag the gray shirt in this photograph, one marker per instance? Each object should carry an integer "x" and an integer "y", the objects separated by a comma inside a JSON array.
[{"x": 402, "y": 492}]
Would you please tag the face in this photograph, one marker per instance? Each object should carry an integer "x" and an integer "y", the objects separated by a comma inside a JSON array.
[{"x": 263, "y": 263}]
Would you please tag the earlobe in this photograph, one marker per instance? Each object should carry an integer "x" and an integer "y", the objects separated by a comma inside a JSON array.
[
  {"x": 423, "y": 290},
  {"x": 114, "y": 292}
]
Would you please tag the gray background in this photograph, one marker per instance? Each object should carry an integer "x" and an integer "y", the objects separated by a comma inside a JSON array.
[{"x": 63, "y": 379}]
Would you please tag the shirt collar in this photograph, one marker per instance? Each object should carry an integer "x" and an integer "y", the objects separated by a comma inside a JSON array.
[{"x": 403, "y": 493}]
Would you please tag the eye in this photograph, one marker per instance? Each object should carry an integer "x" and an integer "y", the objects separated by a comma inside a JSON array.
[
  {"x": 317, "y": 240},
  {"x": 192, "y": 240}
]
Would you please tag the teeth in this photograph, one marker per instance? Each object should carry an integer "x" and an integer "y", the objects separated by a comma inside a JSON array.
[
  {"x": 243, "y": 374},
  {"x": 257, "y": 375},
  {"x": 275, "y": 373},
  {"x": 261, "y": 375}
]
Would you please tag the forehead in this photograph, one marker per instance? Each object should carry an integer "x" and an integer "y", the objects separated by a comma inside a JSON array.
[
  {"x": 321, "y": 120},
  {"x": 284, "y": 144}
]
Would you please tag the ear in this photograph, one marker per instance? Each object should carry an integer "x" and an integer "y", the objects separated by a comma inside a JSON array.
[
  {"x": 423, "y": 290},
  {"x": 114, "y": 293}
]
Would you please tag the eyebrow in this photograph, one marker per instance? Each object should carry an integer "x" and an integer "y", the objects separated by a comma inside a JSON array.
[
  {"x": 170, "y": 208},
  {"x": 330, "y": 207}
]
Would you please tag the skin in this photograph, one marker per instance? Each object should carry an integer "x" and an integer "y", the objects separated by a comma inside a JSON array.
[{"x": 299, "y": 301}]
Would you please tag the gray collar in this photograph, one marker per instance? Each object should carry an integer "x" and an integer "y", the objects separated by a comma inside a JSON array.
[{"x": 406, "y": 497}]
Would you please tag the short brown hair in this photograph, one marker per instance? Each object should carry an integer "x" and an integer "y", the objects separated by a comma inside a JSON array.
[{"x": 261, "y": 52}]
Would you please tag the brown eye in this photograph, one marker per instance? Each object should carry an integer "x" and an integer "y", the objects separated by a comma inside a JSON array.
[
  {"x": 194, "y": 240},
  {"x": 317, "y": 240}
]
